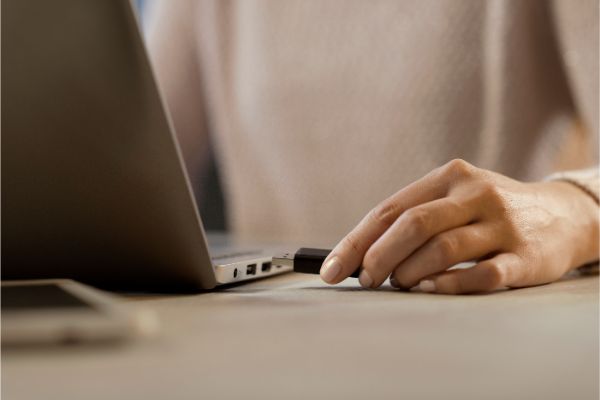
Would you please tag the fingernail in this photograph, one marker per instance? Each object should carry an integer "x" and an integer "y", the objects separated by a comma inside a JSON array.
[
  {"x": 364, "y": 279},
  {"x": 394, "y": 283},
  {"x": 330, "y": 270},
  {"x": 427, "y": 286}
]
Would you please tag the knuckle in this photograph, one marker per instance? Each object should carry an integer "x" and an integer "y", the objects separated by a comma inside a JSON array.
[
  {"x": 403, "y": 280},
  {"x": 373, "y": 258},
  {"x": 459, "y": 168},
  {"x": 446, "y": 248},
  {"x": 450, "y": 285},
  {"x": 488, "y": 190},
  {"x": 352, "y": 243},
  {"x": 455, "y": 205},
  {"x": 492, "y": 194},
  {"x": 494, "y": 276},
  {"x": 385, "y": 213},
  {"x": 417, "y": 221}
]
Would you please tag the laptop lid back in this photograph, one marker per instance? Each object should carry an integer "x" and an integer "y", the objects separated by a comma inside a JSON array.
[{"x": 93, "y": 184}]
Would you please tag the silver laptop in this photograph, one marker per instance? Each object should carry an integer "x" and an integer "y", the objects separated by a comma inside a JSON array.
[{"x": 93, "y": 183}]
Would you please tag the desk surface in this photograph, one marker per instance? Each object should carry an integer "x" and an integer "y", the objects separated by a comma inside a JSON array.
[{"x": 292, "y": 337}]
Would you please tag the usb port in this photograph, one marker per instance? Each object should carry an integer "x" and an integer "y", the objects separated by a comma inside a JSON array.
[
  {"x": 265, "y": 267},
  {"x": 251, "y": 269}
]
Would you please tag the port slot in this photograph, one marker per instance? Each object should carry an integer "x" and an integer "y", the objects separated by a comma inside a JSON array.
[
  {"x": 251, "y": 269},
  {"x": 235, "y": 273},
  {"x": 265, "y": 267}
]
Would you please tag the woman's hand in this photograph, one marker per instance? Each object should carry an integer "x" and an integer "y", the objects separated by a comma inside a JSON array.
[{"x": 520, "y": 234}]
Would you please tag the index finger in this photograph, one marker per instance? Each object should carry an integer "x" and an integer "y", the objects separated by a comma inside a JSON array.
[{"x": 348, "y": 254}]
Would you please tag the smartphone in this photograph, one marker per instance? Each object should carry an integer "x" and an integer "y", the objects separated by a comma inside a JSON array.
[{"x": 64, "y": 311}]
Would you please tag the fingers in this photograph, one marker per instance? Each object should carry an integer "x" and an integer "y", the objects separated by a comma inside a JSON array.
[
  {"x": 449, "y": 248},
  {"x": 412, "y": 230},
  {"x": 347, "y": 256},
  {"x": 492, "y": 274}
]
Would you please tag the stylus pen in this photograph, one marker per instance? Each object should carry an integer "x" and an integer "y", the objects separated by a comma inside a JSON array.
[{"x": 306, "y": 261}]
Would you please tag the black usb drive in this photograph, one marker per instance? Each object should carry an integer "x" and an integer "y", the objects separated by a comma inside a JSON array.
[{"x": 306, "y": 261}]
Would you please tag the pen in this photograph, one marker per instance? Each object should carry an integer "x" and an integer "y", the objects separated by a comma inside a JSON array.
[{"x": 306, "y": 261}]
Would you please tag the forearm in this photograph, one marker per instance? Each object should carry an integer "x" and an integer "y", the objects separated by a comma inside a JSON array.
[
  {"x": 586, "y": 211},
  {"x": 583, "y": 187}
]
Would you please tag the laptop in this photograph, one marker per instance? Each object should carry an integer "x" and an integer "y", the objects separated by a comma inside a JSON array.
[{"x": 93, "y": 183}]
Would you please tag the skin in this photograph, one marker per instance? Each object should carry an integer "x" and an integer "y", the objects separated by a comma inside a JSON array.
[{"x": 519, "y": 234}]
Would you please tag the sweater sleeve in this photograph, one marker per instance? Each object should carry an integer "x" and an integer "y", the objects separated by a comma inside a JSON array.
[
  {"x": 577, "y": 29},
  {"x": 587, "y": 180}
]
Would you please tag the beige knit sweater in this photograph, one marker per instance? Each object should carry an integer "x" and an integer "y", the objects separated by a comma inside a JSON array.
[{"x": 321, "y": 109}]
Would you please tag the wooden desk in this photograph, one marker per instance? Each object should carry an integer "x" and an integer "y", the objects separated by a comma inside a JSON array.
[{"x": 292, "y": 337}]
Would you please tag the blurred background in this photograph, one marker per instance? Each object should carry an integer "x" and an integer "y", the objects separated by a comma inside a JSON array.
[{"x": 211, "y": 202}]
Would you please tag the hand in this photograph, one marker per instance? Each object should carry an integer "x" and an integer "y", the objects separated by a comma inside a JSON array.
[{"x": 520, "y": 234}]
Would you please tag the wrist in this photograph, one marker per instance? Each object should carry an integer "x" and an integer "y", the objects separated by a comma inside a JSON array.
[{"x": 585, "y": 214}]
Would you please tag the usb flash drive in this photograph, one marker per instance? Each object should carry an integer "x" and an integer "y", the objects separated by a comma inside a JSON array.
[{"x": 306, "y": 261}]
